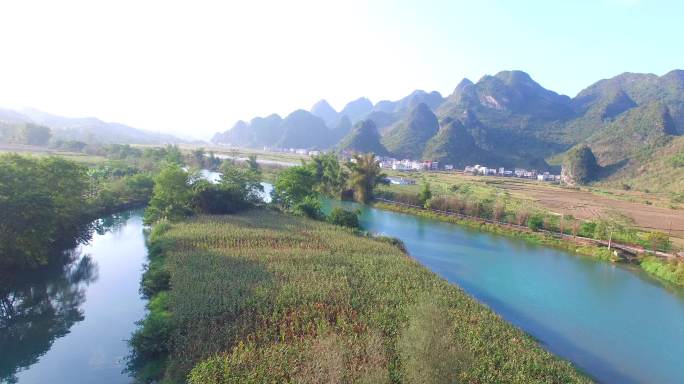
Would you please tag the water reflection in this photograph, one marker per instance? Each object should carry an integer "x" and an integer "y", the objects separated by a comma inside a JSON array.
[{"x": 39, "y": 307}]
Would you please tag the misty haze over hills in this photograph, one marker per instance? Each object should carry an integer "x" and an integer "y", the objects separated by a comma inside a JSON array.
[
  {"x": 86, "y": 129},
  {"x": 506, "y": 119}
]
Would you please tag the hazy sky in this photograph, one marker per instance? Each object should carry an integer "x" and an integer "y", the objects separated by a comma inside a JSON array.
[{"x": 197, "y": 66}]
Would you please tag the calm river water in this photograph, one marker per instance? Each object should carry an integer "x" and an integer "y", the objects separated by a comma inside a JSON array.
[
  {"x": 69, "y": 325},
  {"x": 615, "y": 323}
]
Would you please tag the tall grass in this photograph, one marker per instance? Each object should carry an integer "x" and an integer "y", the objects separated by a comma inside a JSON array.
[{"x": 266, "y": 297}]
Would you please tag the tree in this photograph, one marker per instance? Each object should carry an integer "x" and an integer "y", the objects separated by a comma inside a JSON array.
[
  {"x": 331, "y": 177},
  {"x": 173, "y": 155},
  {"x": 425, "y": 194},
  {"x": 365, "y": 175},
  {"x": 535, "y": 222},
  {"x": 172, "y": 195},
  {"x": 49, "y": 214},
  {"x": 499, "y": 210},
  {"x": 244, "y": 182},
  {"x": 611, "y": 223},
  {"x": 293, "y": 185},
  {"x": 342, "y": 217},
  {"x": 252, "y": 163},
  {"x": 33, "y": 134},
  {"x": 659, "y": 241},
  {"x": 198, "y": 157}
]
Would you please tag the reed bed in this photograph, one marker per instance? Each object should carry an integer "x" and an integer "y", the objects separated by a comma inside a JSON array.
[{"x": 267, "y": 297}]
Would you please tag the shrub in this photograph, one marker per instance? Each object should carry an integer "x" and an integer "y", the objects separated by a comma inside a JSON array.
[
  {"x": 535, "y": 222},
  {"x": 672, "y": 271},
  {"x": 342, "y": 217},
  {"x": 218, "y": 200},
  {"x": 309, "y": 207},
  {"x": 677, "y": 160},
  {"x": 587, "y": 229},
  {"x": 425, "y": 195},
  {"x": 150, "y": 342}
]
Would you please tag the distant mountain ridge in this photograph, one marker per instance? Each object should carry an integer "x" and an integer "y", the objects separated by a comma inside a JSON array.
[
  {"x": 508, "y": 119},
  {"x": 84, "y": 128}
]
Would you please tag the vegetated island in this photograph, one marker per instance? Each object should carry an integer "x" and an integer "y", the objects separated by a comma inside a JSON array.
[{"x": 267, "y": 296}]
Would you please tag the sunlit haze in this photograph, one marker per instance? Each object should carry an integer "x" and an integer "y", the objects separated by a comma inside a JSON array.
[{"x": 194, "y": 68}]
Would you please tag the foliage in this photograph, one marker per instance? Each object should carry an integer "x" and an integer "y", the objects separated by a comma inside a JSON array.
[
  {"x": 242, "y": 182},
  {"x": 365, "y": 174},
  {"x": 209, "y": 198},
  {"x": 309, "y": 207},
  {"x": 44, "y": 209},
  {"x": 177, "y": 194},
  {"x": 677, "y": 160},
  {"x": 535, "y": 222},
  {"x": 343, "y": 217},
  {"x": 149, "y": 343},
  {"x": 580, "y": 165},
  {"x": 410, "y": 136},
  {"x": 28, "y": 134},
  {"x": 671, "y": 271},
  {"x": 425, "y": 195},
  {"x": 331, "y": 177},
  {"x": 252, "y": 163},
  {"x": 172, "y": 196},
  {"x": 659, "y": 241},
  {"x": 293, "y": 185},
  {"x": 363, "y": 138},
  {"x": 266, "y": 297}
]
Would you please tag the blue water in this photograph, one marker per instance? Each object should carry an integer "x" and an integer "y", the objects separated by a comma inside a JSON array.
[
  {"x": 70, "y": 324},
  {"x": 613, "y": 322}
]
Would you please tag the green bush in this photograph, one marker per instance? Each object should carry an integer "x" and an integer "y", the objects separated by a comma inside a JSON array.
[
  {"x": 342, "y": 217},
  {"x": 677, "y": 160},
  {"x": 672, "y": 271},
  {"x": 216, "y": 199},
  {"x": 309, "y": 207},
  {"x": 150, "y": 342},
  {"x": 535, "y": 222}
]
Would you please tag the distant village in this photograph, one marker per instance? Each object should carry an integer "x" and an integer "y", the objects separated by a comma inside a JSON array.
[
  {"x": 476, "y": 170},
  {"x": 408, "y": 165}
]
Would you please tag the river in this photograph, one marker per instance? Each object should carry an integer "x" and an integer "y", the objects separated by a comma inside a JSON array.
[
  {"x": 69, "y": 325},
  {"x": 612, "y": 321}
]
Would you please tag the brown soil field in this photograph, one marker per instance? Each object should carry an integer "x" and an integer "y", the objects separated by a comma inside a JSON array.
[{"x": 587, "y": 205}]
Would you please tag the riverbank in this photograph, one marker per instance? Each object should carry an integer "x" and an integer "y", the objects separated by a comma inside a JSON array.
[
  {"x": 263, "y": 295},
  {"x": 670, "y": 271}
]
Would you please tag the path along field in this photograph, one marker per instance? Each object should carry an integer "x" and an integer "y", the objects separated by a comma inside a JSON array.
[
  {"x": 262, "y": 296},
  {"x": 648, "y": 211}
]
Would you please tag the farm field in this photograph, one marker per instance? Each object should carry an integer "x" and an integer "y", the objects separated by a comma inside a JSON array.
[
  {"x": 263, "y": 296},
  {"x": 44, "y": 151},
  {"x": 647, "y": 211}
]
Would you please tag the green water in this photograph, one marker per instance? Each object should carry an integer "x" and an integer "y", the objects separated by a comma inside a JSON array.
[
  {"x": 69, "y": 323},
  {"x": 614, "y": 323}
]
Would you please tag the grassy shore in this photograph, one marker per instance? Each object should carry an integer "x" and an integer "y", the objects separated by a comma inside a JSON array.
[
  {"x": 262, "y": 296},
  {"x": 527, "y": 235},
  {"x": 671, "y": 272}
]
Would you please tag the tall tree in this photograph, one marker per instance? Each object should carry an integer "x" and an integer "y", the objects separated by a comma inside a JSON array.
[
  {"x": 33, "y": 134},
  {"x": 172, "y": 195},
  {"x": 365, "y": 175}
]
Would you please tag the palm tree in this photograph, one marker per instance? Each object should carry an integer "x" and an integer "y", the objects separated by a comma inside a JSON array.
[{"x": 365, "y": 174}]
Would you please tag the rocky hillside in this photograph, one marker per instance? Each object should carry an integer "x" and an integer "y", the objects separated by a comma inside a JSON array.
[{"x": 506, "y": 119}]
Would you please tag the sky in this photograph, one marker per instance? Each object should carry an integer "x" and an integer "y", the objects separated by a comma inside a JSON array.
[{"x": 195, "y": 67}]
